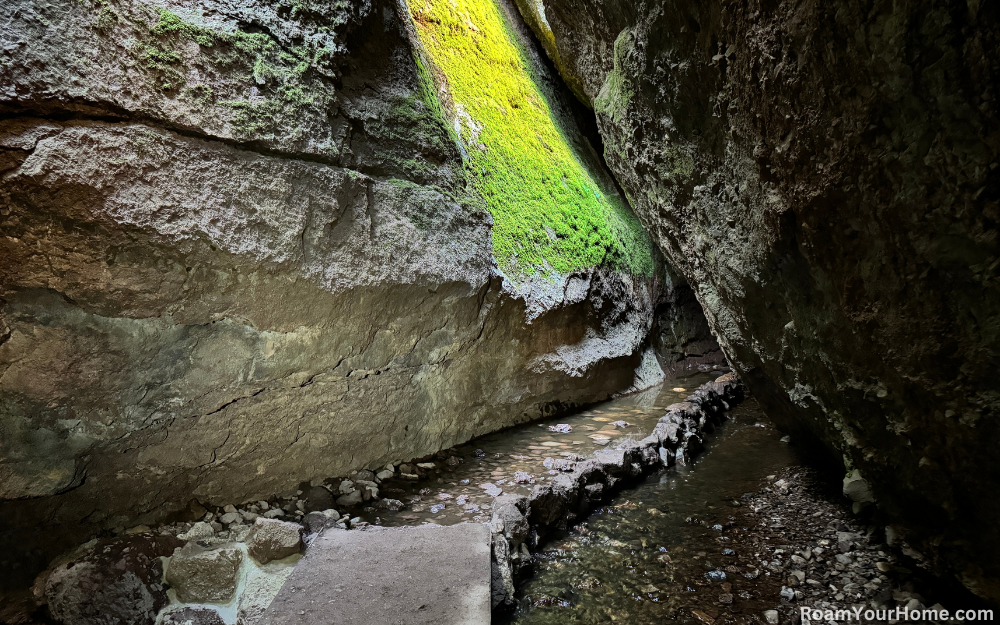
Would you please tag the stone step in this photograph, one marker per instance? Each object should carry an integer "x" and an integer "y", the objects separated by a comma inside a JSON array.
[{"x": 389, "y": 576}]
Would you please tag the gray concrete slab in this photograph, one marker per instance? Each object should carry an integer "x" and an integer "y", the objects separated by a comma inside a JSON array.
[{"x": 390, "y": 576}]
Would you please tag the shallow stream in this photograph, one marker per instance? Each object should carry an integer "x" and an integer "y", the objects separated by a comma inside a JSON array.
[
  {"x": 666, "y": 549},
  {"x": 463, "y": 491}
]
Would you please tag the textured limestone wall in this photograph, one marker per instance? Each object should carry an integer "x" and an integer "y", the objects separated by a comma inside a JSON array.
[
  {"x": 239, "y": 250},
  {"x": 825, "y": 175}
]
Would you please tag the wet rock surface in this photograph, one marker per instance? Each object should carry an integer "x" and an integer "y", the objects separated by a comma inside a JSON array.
[
  {"x": 109, "y": 581},
  {"x": 778, "y": 152},
  {"x": 193, "y": 616},
  {"x": 200, "y": 575},
  {"x": 270, "y": 539},
  {"x": 452, "y": 477}
]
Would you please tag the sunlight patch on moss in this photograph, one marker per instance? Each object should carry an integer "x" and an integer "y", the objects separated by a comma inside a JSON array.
[{"x": 550, "y": 213}]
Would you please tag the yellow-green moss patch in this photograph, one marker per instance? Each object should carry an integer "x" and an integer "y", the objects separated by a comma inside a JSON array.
[{"x": 550, "y": 212}]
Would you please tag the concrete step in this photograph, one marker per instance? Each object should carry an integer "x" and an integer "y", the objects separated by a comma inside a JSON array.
[{"x": 419, "y": 575}]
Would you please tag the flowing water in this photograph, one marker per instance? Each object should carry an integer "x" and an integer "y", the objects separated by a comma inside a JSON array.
[
  {"x": 667, "y": 549},
  {"x": 459, "y": 492}
]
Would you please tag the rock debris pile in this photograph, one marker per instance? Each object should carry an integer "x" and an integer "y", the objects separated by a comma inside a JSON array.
[{"x": 822, "y": 556}]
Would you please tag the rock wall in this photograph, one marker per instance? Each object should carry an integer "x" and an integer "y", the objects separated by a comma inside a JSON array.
[
  {"x": 824, "y": 174},
  {"x": 240, "y": 250}
]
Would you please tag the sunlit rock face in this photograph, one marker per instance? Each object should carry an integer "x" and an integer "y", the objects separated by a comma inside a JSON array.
[
  {"x": 240, "y": 250},
  {"x": 825, "y": 175}
]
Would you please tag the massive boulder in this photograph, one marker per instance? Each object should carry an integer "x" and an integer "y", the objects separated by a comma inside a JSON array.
[
  {"x": 825, "y": 175},
  {"x": 239, "y": 251}
]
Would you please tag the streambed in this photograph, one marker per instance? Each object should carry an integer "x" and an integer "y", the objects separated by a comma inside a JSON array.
[
  {"x": 462, "y": 486},
  {"x": 663, "y": 550}
]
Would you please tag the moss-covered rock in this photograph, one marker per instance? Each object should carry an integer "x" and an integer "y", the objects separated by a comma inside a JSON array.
[{"x": 552, "y": 211}]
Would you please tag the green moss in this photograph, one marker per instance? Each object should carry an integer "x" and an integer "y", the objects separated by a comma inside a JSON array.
[
  {"x": 678, "y": 162},
  {"x": 107, "y": 19},
  {"x": 202, "y": 94},
  {"x": 254, "y": 57},
  {"x": 616, "y": 92},
  {"x": 550, "y": 212},
  {"x": 171, "y": 23}
]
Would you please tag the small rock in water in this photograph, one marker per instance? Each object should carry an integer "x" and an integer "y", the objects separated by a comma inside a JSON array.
[
  {"x": 392, "y": 505},
  {"x": 465, "y": 481},
  {"x": 678, "y": 389},
  {"x": 316, "y": 522},
  {"x": 198, "y": 531},
  {"x": 200, "y": 575},
  {"x": 444, "y": 496},
  {"x": 471, "y": 508},
  {"x": 273, "y": 540},
  {"x": 715, "y": 576},
  {"x": 454, "y": 461},
  {"x": 771, "y": 616},
  {"x": 479, "y": 453},
  {"x": 547, "y": 463},
  {"x": 491, "y": 489},
  {"x": 438, "y": 507},
  {"x": 352, "y": 499},
  {"x": 786, "y": 439},
  {"x": 621, "y": 424},
  {"x": 193, "y": 616},
  {"x": 425, "y": 491},
  {"x": 426, "y": 465},
  {"x": 462, "y": 500},
  {"x": 562, "y": 428},
  {"x": 728, "y": 552},
  {"x": 523, "y": 478},
  {"x": 600, "y": 440}
]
